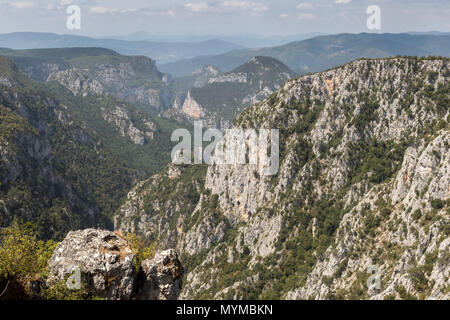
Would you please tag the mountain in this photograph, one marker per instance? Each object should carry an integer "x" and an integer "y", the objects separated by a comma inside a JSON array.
[
  {"x": 53, "y": 171},
  {"x": 324, "y": 52},
  {"x": 245, "y": 40},
  {"x": 219, "y": 99},
  {"x": 85, "y": 71},
  {"x": 198, "y": 78},
  {"x": 362, "y": 192},
  {"x": 162, "y": 52}
]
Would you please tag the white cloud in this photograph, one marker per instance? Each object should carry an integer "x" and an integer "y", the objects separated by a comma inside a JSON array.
[
  {"x": 21, "y": 4},
  {"x": 100, "y": 10},
  {"x": 103, "y": 10},
  {"x": 245, "y": 5},
  {"x": 305, "y": 5},
  {"x": 343, "y": 1},
  {"x": 227, "y": 7},
  {"x": 198, "y": 7},
  {"x": 284, "y": 16},
  {"x": 305, "y": 16}
]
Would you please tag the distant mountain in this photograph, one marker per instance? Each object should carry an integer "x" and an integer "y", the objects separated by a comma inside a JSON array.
[
  {"x": 198, "y": 78},
  {"x": 162, "y": 52},
  {"x": 324, "y": 52},
  {"x": 221, "y": 98},
  {"x": 83, "y": 71},
  {"x": 434, "y": 33},
  {"x": 246, "y": 40}
]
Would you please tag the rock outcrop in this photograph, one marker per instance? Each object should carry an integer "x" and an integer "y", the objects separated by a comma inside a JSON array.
[
  {"x": 119, "y": 117},
  {"x": 162, "y": 277},
  {"x": 105, "y": 265},
  {"x": 78, "y": 82},
  {"x": 104, "y": 259}
]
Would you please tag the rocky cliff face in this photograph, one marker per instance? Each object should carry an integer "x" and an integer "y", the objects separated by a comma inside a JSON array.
[
  {"x": 120, "y": 118},
  {"x": 204, "y": 74},
  {"x": 363, "y": 187},
  {"x": 161, "y": 207}
]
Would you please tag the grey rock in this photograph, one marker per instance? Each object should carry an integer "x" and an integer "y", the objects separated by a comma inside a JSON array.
[
  {"x": 104, "y": 259},
  {"x": 163, "y": 277}
]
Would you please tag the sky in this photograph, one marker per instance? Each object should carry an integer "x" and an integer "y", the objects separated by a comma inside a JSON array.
[{"x": 225, "y": 17}]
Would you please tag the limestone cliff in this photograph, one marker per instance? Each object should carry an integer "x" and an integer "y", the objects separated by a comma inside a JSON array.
[{"x": 363, "y": 187}]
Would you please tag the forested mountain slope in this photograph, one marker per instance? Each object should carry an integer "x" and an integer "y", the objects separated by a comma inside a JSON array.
[{"x": 54, "y": 172}]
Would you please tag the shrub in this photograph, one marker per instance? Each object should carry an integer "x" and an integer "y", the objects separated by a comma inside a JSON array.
[
  {"x": 437, "y": 204},
  {"x": 22, "y": 254},
  {"x": 143, "y": 250}
]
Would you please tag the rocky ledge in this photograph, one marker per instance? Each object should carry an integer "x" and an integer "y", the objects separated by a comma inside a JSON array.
[{"x": 105, "y": 261}]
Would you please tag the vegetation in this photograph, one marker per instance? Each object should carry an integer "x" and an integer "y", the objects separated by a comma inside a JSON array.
[{"x": 142, "y": 248}]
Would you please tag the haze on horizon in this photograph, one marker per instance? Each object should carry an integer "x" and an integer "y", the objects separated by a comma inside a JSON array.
[{"x": 228, "y": 17}]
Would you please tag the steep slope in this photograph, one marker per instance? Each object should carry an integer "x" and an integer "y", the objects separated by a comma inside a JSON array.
[
  {"x": 224, "y": 96},
  {"x": 162, "y": 52},
  {"x": 323, "y": 52},
  {"x": 198, "y": 78},
  {"x": 363, "y": 185},
  {"x": 99, "y": 90},
  {"x": 53, "y": 172},
  {"x": 140, "y": 141},
  {"x": 86, "y": 71}
]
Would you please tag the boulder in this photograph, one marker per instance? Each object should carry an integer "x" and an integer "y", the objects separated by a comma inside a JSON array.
[
  {"x": 161, "y": 277},
  {"x": 104, "y": 260}
]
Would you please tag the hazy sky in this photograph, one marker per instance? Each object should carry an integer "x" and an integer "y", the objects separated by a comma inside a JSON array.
[{"x": 227, "y": 17}]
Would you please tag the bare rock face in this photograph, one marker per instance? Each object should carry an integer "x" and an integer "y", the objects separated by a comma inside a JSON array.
[
  {"x": 105, "y": 261},
  {"x": 78, "y": 82},
  {"x": 162, "y": 277}
]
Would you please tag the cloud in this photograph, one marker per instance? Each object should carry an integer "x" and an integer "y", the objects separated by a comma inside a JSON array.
[
  {"x": 21, "y": 4},
  {"x": 103, "y": 10},
  {"x": 228, "y": 6},
  {"x": 198, "y": 7},
  {"x": 168, "y": 13},
  {"x": 305, "y": 5},
  {"x": 343, "y": 1},
  {"x": 284, "y": 16},
  {"x": 305, "y": 16},
  {"x": 244, "y": 5},
  {"x": 100, "y": 10}
]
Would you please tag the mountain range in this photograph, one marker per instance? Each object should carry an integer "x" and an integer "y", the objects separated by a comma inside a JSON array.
[
  {"x": 362, "y": 187},
  {"x": 323, "y": 52},
  {"x": 162, "y": 52}
]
